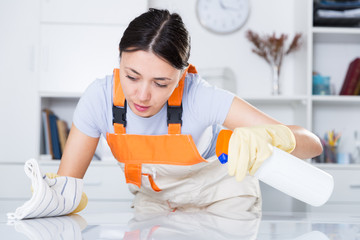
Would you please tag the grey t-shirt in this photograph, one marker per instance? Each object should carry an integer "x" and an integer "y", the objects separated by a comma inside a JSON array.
[{"x": 203, "y": 106}]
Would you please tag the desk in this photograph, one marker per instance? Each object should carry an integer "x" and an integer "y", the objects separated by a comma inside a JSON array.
[{"x": 116, "y": 220}]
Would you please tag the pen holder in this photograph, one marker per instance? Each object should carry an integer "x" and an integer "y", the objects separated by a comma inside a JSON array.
[{"x": 330, "y": 153}]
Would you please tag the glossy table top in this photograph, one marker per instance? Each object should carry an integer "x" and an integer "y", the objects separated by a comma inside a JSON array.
[{"x": 115, "y": 220}]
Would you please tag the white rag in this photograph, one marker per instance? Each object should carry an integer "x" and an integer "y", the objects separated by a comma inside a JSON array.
[{"x": 51, "y": 197}]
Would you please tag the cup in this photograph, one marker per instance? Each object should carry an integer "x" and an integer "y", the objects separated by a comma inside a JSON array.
[
  {"x": 343, "y": 158},
  {"x": 321, "y": 85}
]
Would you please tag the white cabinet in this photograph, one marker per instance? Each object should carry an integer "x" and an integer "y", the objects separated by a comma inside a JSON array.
[
  {"x": 18, "y": 79},
  {"x": 91, "y": 11},
  {"x": 346, "y": 194},
  {"x": 103, "y": 181},
  {"x": 72, "y": 56},
  {"x": 79, "y": 41}
]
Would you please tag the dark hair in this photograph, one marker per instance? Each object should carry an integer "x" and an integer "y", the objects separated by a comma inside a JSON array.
[{"x": 160, "y": 32}]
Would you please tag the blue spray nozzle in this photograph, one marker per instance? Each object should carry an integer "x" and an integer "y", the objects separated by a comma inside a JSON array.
[{"x": 223, "y": 158}]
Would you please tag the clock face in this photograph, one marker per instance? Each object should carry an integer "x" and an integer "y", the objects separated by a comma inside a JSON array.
[{"x": 222, "y": 16}]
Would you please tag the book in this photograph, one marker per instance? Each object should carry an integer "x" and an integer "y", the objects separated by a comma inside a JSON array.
[
  {"x": 351, "y": 78},
  {"x": 63, "y": 131},
  {"x": 357, "y": 88},
  {"x": 54, "y": 136},
  {"x": 47, "y": 133}
]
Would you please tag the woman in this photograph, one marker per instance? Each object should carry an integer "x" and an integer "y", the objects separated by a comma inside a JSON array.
[{"x": 155, "y": 108}]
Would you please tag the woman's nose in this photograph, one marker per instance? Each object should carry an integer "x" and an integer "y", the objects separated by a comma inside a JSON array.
[{"x": 144, "y": 93}]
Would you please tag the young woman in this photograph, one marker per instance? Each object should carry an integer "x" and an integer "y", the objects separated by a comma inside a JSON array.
[{"x": 155, "y": 109}]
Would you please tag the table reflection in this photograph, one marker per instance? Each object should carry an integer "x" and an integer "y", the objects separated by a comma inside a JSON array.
[
  {"x": 184, "y": 225},
  {"x": 65, "y": 227}
]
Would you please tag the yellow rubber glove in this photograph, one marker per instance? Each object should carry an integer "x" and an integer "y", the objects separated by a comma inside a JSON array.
[
  {"x": 84, "y": 198},
  {"x": 250, "y": 146}
]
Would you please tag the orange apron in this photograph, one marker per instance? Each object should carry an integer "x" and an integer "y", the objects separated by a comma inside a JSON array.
[{"x": 133, "y": 150}]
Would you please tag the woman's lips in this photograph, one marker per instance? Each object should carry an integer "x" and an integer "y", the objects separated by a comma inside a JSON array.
[{"x": 140, "y": 108}]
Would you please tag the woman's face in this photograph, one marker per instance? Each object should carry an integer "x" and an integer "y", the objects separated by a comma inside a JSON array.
[{"x": 147, "y": 81}]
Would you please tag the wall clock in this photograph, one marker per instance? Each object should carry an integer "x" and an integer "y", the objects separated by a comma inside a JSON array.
[{"x": 222, "y": 16}]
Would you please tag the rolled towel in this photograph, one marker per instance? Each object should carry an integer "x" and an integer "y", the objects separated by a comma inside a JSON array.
[{"x": 51, "y": 197}]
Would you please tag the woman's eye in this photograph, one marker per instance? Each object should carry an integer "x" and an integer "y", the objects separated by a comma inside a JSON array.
[
  {"x": 160, "y": 85},
  {"x": 130, "y": 77}
]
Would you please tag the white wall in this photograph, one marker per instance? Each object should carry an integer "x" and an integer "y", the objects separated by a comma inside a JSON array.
[{"x": 234, "y": 50}]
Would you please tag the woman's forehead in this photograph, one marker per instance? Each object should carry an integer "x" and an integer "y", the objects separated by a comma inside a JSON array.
[{"x": 147, "y": 63}]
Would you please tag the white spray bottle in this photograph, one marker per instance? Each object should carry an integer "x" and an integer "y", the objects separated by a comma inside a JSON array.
[{"x": 287, "y": 173}]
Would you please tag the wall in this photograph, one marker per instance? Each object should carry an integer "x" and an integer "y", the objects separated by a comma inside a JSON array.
[{"x": 234, "y": 50}]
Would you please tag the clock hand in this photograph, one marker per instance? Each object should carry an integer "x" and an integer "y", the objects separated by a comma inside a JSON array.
[{"x": 224, "y": 5}]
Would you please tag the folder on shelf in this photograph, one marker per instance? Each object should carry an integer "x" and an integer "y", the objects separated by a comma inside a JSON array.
[
  {"x": 351, "y": 79},
  {"x": 63, "y": 131},
  {"x": 47, "y": 133},
  {"x": 357, "y": 87},
  {"x": 55, "y": 136}
]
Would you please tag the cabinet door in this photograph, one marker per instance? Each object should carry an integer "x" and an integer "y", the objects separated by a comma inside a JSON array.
[
  {"x": 91, "y": 11},
  {"x": 19, "y": 39},
  {"x": 346, "y": 187},
  {"x": 72, "y": 56},
  {"x": 101, "y": 182}
]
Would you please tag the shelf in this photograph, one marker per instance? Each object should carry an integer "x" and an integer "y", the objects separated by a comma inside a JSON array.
[
  {"x": 276, "y": 99},
  {"x": 336, "y": 99},
  {"x": 328, "y": 166},
  {"x": 336, "y": 35},
  {"x": 60, "y": 94},
  {"x": 93, "y": 162},
  {"x": 335, "y": 30}
]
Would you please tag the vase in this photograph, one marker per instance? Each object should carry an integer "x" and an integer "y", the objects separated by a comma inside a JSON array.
[{"x": 275, "y": 84}]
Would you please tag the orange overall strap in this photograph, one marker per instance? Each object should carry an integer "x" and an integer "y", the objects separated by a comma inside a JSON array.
[
  {"x": 175, "y": 100},
  {"x": 132, "y": 171},
  {"x": 118, "y": 94},
  {"x": 118, "y": 102}
]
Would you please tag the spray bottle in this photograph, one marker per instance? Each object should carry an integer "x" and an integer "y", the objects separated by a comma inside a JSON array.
[{"x": 287, "y": 173}]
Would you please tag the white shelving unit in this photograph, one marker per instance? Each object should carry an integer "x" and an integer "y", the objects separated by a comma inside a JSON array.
[{"x": 330, "y": 50}]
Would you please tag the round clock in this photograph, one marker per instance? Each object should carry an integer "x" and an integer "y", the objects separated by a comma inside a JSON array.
[{"x": 222, "y": 16}]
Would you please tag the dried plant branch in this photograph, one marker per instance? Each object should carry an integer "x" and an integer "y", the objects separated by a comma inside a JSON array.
[
  {"x": 295, "y": 44},
  {"x": 272, "y": 48},
  {"x": 260, "y": 48}
]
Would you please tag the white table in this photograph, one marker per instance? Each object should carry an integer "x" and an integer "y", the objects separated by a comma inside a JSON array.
[{"x": 116, "y": 220}]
